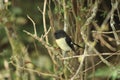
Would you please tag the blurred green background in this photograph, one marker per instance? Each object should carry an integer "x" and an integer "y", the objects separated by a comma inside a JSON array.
[
  {"x": 14, "y": 18},
  {"x": 24, "y": 58}
]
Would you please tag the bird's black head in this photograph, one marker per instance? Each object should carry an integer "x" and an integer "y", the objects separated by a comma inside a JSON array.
[{"x": 60, "y": 34}]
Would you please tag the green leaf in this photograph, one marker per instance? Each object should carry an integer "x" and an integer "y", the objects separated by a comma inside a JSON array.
[{"x": 105, "y": 72}]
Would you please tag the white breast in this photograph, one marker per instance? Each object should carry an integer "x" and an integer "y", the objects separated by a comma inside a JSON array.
[{"x": 62, "y": 44}]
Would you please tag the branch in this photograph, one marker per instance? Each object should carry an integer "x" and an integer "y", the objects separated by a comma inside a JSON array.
[
  {"x": 91, "y": 55},
  {"x": 33, "y": 24},
  {"x": 41, "y": 40},
  {"x": 97, "y": 64},
  {"x": 35, "y": 71},
  {"x": 110, "y": 32},
  {"x": 112, "y": 22},
  {"x": 81, "y": 64},
  {"x": 65, "y": 16},
  {"x": 84, "y": 35},
  {"x": 44, "y": 20}
]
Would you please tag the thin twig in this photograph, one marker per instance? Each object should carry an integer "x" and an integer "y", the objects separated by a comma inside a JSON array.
[
  {"x": 117, "y": 53},
  {"x": 48, "y": 46},
  {"x": 106, "y": 43},
  {"x": 89, "y": 55},
  {"x": 44, "y": 20},
  {"x": 96, "y": 64},
  {"x": 104, "y": 60},
  {"x": 47, "y": 32},
  {"x": 35, "y": 71},
  {"x": 65, "y": 16},
  {"x": 84, "y": 36},
  {"x": 112, "y": 22},
  {"x": 35, "y": 32},
  {"x": 45, "y": 27},
  {"x": 40, "y": 10},
  {"x": 109, "y": 14},
  {"x": 100, "y": 37},
  {"x": 110, "y": 32},
  {"x": 118, "y": 13},
  {"x": 81, "y": 64}
]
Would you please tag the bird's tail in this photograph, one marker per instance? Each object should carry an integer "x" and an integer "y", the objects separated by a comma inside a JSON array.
[{"x": 78, "y": 45}]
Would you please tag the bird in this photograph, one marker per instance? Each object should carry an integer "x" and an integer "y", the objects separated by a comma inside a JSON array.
[{"x": 64, "y": 41}]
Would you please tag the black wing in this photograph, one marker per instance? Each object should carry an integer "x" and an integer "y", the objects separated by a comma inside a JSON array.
[{"x": 69, "y": 42}]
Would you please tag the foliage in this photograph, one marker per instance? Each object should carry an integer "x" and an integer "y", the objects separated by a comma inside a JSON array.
[{"x": 27, "y": 46}]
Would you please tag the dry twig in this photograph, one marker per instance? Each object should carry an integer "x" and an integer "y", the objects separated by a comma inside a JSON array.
[
  {"x": 35, "y": 71},
  {"x": 112, "y": 22}
]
